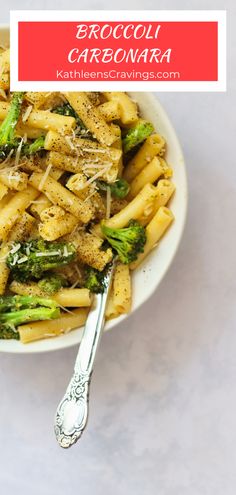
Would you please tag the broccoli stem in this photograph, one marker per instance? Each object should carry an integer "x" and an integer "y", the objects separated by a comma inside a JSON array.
[
  {"x": 15, "y": 310},
  {"x": 15, "y": 303},
  {"x": 137, "y": 134},
  {"x": 37, "y": 145},
  {"x": 17, "y": 317},
  {"x": 7, "y": 129}
]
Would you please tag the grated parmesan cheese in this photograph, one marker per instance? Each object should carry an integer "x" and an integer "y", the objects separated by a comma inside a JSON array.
[
  {"x": 48, "y": 253},
  {"x": 69, "y": 142},
  {"x": 27, "y": 113},
  {"x": 18, "y": 152},
  {"x": 76, "y": 283},
  {"x": 95, "y": 176},
  {"x": 7, "y": 158},
  {"x": 15, "y": 248},
  {"x": 65, "y": 252},
  {"x": 22, "y": 260},
  {"x": 45, "y": 176}
]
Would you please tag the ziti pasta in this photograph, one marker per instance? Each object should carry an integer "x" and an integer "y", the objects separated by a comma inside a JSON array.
[{"x": 83, "y": 178}]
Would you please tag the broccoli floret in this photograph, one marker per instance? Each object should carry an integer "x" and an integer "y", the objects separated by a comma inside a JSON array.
[
  {"x": 33, "y": 258},
  {"x": 8, "y": 140},
  {"x": 137, "y": 134},
  {"x": 34, "y": 147},
  {"x": 52, "y": 283},
  {"x": 119, "y": 188},
  {"x": 95, "y": 280},
  {"x": 127, "y": 242},
  {"x": 8, "y": 332},
  {"x": 15, "y": 310}
]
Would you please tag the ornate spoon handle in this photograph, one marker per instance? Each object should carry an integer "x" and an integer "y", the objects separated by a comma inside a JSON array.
[{"x": 72, "y": 412}]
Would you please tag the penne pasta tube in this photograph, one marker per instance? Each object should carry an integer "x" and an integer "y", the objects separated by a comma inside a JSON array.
[
  {"x": 154, "y": 231},
  {"x": 40, "y": 204},
  {"x": 80, "y": 186},
  {"x": 22, "y": 228},
  {"x": 141, "y": 204},
  {"x": 14, "y": 209},
  {"x": 31, "y": 132},
  {"x": 4, "y": 107},
  {"x": 52, "y": 213},
  {"x": 52, "y": 328},
  {"x": 110, "y": 308},
  {"x": 26, "y": 289},
  {"x": 109, "y": 110},
  {"x": 53, "y": 228},
  {"x": 91, "y": 117},
  {"x": 122, "y": 289},
  {"x": 64, "y": 297},
  {"x": 37, "y": 99},
  {"x": 4, "y": 270},
  {"x": 89, "y": 250},
  {"x": 94, "y": 97},
  {"x": 77, "y": 183},
  {"x": 151, "y": 147},
  {"x": 73, "y": 298},
  {"x": 118, "y": 145},
  {"x": 5, "y": 81},
  {"x": 60, "y": 196},
  {"x": 6, "y": 199},
  {"x": 86, "y": 151},
  {"x": 64, "y": 162},
  {"x": 127, "y": 107},
  {"x": 14, "y": 179},
  {"x": 5, "y": 61},
  {"x": 150, "y": 173},
  {"x": 164, "y": 191},
  {"x": 44, "y": 119},
  {"x": 3, "y": 191}
]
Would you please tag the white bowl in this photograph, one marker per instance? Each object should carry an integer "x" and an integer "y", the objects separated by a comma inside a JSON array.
[{"x": 145, "y": 279}]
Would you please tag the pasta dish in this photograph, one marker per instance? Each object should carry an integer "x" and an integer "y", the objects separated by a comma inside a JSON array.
[{"x": 83, "y": 179}]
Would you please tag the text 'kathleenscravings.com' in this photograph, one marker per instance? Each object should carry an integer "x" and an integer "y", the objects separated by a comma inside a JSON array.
[{"x": 116, "y": 75}]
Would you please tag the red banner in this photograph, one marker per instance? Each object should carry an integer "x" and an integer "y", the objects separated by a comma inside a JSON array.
[{"x": 117, "y": 51}]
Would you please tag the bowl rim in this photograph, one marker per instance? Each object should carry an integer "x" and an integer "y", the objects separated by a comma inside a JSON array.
[{"x": 56, "y": 344}]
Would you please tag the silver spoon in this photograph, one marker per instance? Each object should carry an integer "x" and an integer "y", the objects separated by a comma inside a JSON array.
[{"x": 72, "y": 412}]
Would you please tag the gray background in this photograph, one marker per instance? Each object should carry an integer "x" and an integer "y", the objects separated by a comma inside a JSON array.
[{"x": 163, "y": 398}]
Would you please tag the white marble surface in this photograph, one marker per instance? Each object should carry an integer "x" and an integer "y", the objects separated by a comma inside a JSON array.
[{"x": 163, "y": 398}]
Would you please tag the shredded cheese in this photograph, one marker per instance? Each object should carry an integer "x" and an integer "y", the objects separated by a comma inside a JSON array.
[
  {"x": 22, "y": 260},
  {"x": 69, "y": 142},
  {"x": 7, "y": 158},
  {"x": 27, "y": 113},
  {"x": 45, "y": 176},
  {"x": 48, "y": 253},
  {"x": 18, "y": 152},
  {"x": 65, "y": 251},
  {"x": 15, "y": 248},
  {"x": 76, "y": 283}
]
